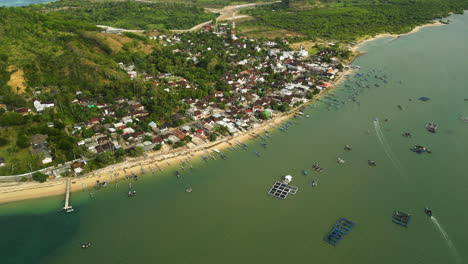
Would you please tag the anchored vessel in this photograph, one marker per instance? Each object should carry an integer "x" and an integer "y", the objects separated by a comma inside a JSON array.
[
  {"x": 341, "y": 228},
  {"x": 431, "y": 127},
  {"x": 401, "y": 218},
  {"x": 420, "y": 149}
]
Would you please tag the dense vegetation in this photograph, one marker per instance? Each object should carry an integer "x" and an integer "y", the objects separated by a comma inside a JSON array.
[
  {"x": 131, "y": 15},
  {"x": 349, "y": 20}
]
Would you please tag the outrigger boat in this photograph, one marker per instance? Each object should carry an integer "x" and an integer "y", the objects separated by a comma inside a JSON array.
[
  {"x": 188, "y": 189},
  {"x": 428, "y": 212},
  {"x": 340, "y": 160},
  {"x": 420, "y": 149},
  {"x": 86, "y": 245},
  {"x": 406, "y": 134},
  {"x": 257, "y": 153},
  {"x": 347, "y": 147},
  {"x": 131, "y": 193},
  {"x": 313, "y": 183},
  {"x": 177, "y": 173},
  {"x": 316, "y": 167},
  {"x": 371, "y": 163}
]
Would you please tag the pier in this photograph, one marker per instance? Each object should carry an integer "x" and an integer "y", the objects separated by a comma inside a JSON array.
[{"x": 68, "y": 208}]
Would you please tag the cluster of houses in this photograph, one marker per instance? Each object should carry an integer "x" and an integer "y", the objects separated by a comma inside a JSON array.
[{"x": 266, "y": 80}]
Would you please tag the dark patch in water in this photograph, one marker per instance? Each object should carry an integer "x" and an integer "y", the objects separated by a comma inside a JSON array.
[{"x": 30, "y": 238}]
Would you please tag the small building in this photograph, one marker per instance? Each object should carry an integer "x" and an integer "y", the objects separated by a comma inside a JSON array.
[{"x": 78, "y": 166}]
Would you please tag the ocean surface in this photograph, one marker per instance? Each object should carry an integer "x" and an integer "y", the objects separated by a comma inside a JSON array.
[
  {"x": 22, "y": 2},
  {"x": 229, "y": 218}
]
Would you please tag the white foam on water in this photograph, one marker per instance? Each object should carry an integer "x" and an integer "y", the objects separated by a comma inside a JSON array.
[
  {"x": 387, "y": 149},
  {"x": 447, "y": 240}
]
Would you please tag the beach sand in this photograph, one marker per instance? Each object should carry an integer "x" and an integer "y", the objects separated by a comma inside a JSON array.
[
  {"x": 355, "y": 48},
  {"x": 151, "y": 161},
  {"x": 158, "y": 160}
]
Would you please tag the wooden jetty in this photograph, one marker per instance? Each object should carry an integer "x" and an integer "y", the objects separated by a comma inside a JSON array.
[{"x": 68, "y": 208}]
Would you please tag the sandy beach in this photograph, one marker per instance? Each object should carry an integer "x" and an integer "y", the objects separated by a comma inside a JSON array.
[
  {"x": 152, "y": 161},
  {"x": 156, "y": 161},
  {"x": 356, "y": 47}
]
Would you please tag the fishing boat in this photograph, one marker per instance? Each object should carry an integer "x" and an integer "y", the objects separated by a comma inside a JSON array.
[
  {"x": 131, "y": 193},
  {"x": 264, "y": 144},
  {"x": 420, "y": 149},
  {"x": 177, "y": 173},
  {"x": 431, "y": 127},
  {"x": 399, "y": 107},
  {"x": 204, "y": 158},
  {"x": 257, "y": 153},
  {"x": 216, "y": 150},
  {"x": 428, "y": 212},
  {"x": 69, "y": 210},
  {"x": 305, "y": 172},
  {"x": 371, "y": 163},
  {"x": 340, "y": 160},
  {"x": 188, "y": 189},
  {"x": 313, "y": 183},
  {"x": 85, "y": 245},
  {"x": 347, "y": 147},
  {"x": 406, "y": 134}
]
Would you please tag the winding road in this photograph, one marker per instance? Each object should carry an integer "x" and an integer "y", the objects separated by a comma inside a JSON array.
[{"x": 225, "y": 13}]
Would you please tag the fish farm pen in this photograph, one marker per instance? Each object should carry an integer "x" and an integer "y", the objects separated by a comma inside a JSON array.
[
  {"x": 282, "y": 190},
  {"x": 401, "y": 218},
  {"x": 341, "y": 228}
]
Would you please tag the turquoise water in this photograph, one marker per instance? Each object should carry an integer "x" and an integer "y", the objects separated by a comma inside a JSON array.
[
  {"x": 229, "y": 218},
  {"x": 22, "y": 2}
]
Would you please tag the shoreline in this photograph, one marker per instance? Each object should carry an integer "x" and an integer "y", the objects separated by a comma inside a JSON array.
[
  {"x": 152, "y": 163},
  {"x": 356, "y": 47},
  {"x": 155, "y": 161}
]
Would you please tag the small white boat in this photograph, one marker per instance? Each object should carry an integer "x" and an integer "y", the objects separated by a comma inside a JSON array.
[
  {"x": 216, "y": 150},
  {"x": 287, "y": 179},
  {"x": 340, "y": 160}
]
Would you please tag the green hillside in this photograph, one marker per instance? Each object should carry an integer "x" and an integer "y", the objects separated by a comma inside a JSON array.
[{"x": 349, "y": 20}]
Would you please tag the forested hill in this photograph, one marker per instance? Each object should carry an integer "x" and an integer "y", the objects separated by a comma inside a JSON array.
[
  {"x": 349, "y": 20},
  {"x": 130, "y": 14},
  {"x": 40, "y": 50}
]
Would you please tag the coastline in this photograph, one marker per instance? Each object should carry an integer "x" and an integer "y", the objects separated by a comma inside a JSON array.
[
  {"x": 356, "y": 47},
  {"x": 152, "y": 161},
  {"x": 158, "y": 160}
]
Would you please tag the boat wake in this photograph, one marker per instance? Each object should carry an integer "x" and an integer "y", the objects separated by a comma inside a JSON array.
[
  {"x": 388, "y": 151},
  {"x": 447, "y": 240}
]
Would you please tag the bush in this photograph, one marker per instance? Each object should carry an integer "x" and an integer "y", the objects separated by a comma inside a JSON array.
[
  {"x": 3, "y": 142},
  {"x": 22, "y": 142},
  {"x": 39, "y": 177}
]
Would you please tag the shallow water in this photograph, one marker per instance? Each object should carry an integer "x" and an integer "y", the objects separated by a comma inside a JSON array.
[
  {"x": 22, "y": 2},
  {"x": 229, "y": 218}
]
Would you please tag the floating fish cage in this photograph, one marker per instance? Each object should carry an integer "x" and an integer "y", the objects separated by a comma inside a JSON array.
[
  {"x": 341, "y": 228},
  {"x": 282, "y": 190},
  {"x": 401, "y": 218}
]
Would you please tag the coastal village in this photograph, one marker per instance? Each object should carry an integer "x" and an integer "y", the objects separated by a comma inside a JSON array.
[{"x": 271, "y": 79}]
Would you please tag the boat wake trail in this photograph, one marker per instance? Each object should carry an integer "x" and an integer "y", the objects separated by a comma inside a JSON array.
[
  {"x": 447, "y": 239},
  {"x": 388, "y": 151}
]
